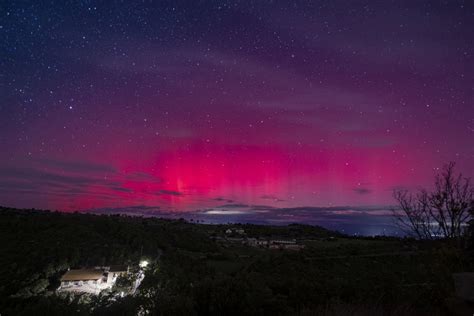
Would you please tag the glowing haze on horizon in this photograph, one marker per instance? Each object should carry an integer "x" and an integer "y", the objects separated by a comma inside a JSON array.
[{"x": 194, "y": 106}]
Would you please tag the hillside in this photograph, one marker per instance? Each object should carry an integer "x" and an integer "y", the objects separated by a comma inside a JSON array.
[{"x": 201, "y": 269}]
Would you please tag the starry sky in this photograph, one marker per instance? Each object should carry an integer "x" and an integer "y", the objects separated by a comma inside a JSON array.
[{"x": 265, "y": 111}]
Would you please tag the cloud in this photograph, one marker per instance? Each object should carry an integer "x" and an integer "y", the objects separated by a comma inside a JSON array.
[
  {"x": 271, "y": 197},
  {"x": 235, "y": 205},
  {"x": 221, "y": 199},
  {"x": 362, "y": 191},
  {"x": 143, "y": 176},
  {"x": 262, "y": 207},
  {"x": 62, "y": 181},
  {"x": 76, "y": 166},
  {"x": 32, "y": 174},
  {"x": 122, "y": 189},
  {"x": 170, "y": 192}
]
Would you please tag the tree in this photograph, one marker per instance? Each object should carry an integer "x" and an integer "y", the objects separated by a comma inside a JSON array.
[
  {"x": 124, "y": 283},
  {"x": 442, "y": 213}
]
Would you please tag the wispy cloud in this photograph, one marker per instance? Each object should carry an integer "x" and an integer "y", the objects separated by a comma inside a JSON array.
[
  {"x": 362, "y": 191},
  {"x": 170, "y": 192},
  {"x": 271, "y": 197},
  {"x": 69, "y": 184},
  {"x": 76, "y": 166},
  {"x": 221, "y": 199}
]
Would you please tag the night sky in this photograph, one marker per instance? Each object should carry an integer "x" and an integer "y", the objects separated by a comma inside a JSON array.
[{"x": 263, "y": 111}]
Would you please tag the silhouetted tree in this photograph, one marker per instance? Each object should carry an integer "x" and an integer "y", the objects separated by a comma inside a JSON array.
[{"x": 444, "y": 212}]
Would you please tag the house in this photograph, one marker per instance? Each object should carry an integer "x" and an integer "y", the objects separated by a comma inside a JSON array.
[
  {"x": 251, "y": 241},
  {"x": 91, "y": 281},
  {"x": 239, "y": 231},
  {"x": 235, "y": 239},
  {"x": 283, "y": 241},
  {"x": 115, "y": 271},
  {"x": 261, "y": 242},
  {"x": 254, "y": 242},
  {"x": 76, "y": 276},
  {"x": 289, "y": 244},
  {"x": 83, "y": 280},
  {"x": 296, "y": 247}
]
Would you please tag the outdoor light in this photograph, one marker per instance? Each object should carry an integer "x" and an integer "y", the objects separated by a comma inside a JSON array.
[{"x": 143, "y": 263}]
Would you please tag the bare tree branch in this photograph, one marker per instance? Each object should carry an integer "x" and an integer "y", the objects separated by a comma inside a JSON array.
[{"x": 443, "y": 213}]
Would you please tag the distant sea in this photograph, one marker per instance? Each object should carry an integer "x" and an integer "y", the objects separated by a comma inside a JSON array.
[{"x": 359, "y": 221}]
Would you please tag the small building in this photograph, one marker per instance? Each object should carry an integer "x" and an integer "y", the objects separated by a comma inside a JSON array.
[
  {"x": 261, "y": 242},
  {"x": 238, "y": 231},
  {"x": 287, "y": 244},
  {"x": 92, "y": 280},
  {"x": 295, "y": 247},
  {"x": 254, "y": 242},
  {"x": 235, "y": 239},
  {"x": 83, "y": 280},
  {"x": 251, "y": 241},
  {"x": 283, "y": 241},
  {"x": 76, "y": 276},
  {"x": 113, "y": 272}
]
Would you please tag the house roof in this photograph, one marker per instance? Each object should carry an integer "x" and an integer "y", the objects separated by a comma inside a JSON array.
[{"x": 82, "y": 275}]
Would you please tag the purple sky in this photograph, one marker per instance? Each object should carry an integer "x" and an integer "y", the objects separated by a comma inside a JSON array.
[{"x": 196, "y": 105}]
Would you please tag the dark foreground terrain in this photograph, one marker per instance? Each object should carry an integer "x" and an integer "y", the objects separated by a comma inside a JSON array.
[{"x": 200, "y": 269}]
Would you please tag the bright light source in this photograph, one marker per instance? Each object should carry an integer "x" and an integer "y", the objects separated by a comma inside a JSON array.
[{"x": 143, "y": 263}]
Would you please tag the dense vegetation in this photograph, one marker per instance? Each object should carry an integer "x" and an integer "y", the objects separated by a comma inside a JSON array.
[{"x": 192, "y": 274}]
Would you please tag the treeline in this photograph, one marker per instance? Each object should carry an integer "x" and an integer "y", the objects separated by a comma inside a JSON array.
[
  {"x": 291, "y": 231},
  {"x": 37, "y": 247}
]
